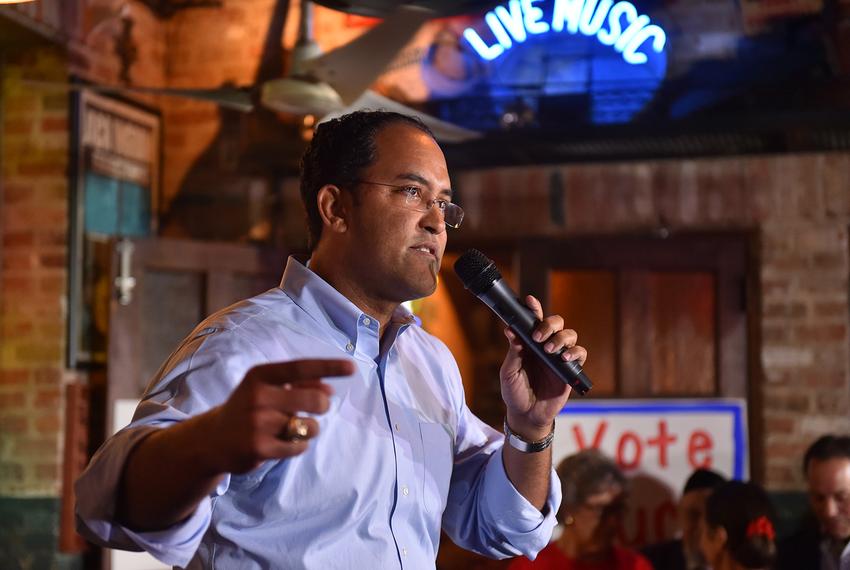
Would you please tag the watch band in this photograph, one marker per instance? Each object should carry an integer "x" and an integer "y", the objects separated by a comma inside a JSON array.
[{"x": 520, "y": 444}]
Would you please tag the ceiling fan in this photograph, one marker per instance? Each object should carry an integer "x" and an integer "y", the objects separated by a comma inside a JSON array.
[{"x": 321, "y": 85}]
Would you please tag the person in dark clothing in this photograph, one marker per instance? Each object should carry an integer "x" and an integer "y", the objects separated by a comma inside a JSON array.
[
  {"x": 821, "y": 543},
  {"x": 684, "y": 553}
]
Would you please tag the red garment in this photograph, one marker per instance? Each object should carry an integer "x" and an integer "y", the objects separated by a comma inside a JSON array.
[{"x": 551, "y": 558}]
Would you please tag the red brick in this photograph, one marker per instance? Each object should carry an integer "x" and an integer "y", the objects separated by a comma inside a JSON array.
[
  {"x": 52, "y": 124},
  {"x": 785, "y": 310},
  {"x": 47, "y": 398},
  {"x": 18, "y": 284},
  {"x": 16, "y": 329},
  {"x": 831, "y": 309},
  {"x": 828, "y": 261},
  {"x": 46, "y": 471},
  {"x": 780, "y": 425},
  {"x": 38, "y": 353},
  {"x": 14, "y": 377},
  {"x": 782, "y": 476},
  {"x": 832, "y": 404},
  {"x": 52, "y": 237},
  {"x": 18, "y": 239},
  {"x": 17, "y": 194},
  {"x": 40, "y": 446},
  {"x": 13, "y": 400},
  {"x": 14, "y": 261},
  {"x": 41, "y": 168},
  {"x": 18, "y": 127},
  {"x": 52, "y": 260},
  {"x": 788, "y": 402},
  {"x": 49, "y": 424},
  {"x": 11, "y": 471},
  {"x": 821, "y": 333},
  {"x": 45, "y": 376},
  {"x": 10, "y": 424}
]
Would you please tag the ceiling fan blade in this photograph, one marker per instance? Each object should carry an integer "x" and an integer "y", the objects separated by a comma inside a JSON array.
[
  {"x": 443, "y": 130},
  {"x": 235, "y": 98},
  {"x": 352, "y": 68},
  {"x": 300, "y": 96}
]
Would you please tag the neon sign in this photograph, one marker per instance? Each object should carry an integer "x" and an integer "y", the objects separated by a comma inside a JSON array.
[{"x": 614, "y": 24}]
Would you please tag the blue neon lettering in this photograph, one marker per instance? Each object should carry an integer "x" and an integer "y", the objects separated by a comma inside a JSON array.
[
  {"x": 512, "y": 21},
  {"x": 531, "y": 17},
  {"x": 609, "y": 37},
  {"x": 630, "y": 32},
  {"x": 487, "y": 52},
  {"x": 566, "y": 11},
  {"x": 498, "y": 31},
  {"x": 591, "y": 22},
  {"x": 513, "y": 24},
  {"x": 659, "y": 39}
]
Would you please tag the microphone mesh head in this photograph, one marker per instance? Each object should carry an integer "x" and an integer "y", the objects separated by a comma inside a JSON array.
[{"x": 476, "y": 271}]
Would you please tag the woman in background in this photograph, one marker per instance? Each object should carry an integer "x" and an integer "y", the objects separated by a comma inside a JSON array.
[
  {"x": 591, "y": 514},
  {"x": 739, "y": 532}
]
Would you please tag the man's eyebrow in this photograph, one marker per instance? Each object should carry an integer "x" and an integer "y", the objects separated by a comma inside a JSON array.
[{"x": 413, "y": 177}]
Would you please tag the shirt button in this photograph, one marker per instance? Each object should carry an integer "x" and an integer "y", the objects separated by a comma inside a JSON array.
[
  {"x": 349, "y": 347},
  {"x": 404, "y": 552},
  {"x": 396, "y": 427},
  {"x": 367, "y": 321},
  {"x": 405, "y": 491}
]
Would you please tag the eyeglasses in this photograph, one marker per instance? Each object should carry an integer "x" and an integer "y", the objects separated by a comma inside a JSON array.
[{"x": 414, "y": 198}]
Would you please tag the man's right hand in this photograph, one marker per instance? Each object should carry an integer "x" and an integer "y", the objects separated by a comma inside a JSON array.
[
  {"x": 170, "y": 471},
  {"x": 251, "y": 427}
]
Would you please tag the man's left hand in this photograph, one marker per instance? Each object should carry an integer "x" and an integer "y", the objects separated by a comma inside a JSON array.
[{"x": 533, "y": 394}]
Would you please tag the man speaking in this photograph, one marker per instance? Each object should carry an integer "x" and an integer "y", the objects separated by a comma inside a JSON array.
[{"x": 317, "y": 425}]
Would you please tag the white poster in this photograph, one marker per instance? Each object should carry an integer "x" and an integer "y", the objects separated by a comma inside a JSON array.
[{"x": 657, "y": 444}]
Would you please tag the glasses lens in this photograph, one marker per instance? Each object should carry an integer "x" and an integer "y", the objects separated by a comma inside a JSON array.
[{"x": 453, "y": 215}]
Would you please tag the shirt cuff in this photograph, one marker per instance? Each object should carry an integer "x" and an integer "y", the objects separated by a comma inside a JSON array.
[
  {"x": 523, "y": 525},
  {"x": 96, "y": 490}
]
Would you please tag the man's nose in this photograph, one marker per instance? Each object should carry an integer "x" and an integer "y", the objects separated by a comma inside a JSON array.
[
  {"x": 831, "y": 507},
  {"x": 434, "y": 220}
]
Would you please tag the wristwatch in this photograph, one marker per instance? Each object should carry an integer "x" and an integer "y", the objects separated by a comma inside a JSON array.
[{"x": 520, "y": 444}]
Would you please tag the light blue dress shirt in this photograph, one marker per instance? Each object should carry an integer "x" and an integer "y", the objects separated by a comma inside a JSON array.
[{"x": 399, "y": 454}]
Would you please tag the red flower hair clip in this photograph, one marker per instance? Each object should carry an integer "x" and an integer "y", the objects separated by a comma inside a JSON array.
[{"x": 761, "y": 527}]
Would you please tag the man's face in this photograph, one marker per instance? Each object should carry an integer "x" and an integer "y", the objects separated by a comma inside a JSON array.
[
  {"x": 829, "y": 495},
  {"x": 398, "y": 248},
  {"x": 691, "y": 520}
]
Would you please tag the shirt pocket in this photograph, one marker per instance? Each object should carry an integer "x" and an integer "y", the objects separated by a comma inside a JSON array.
[{"x": 438, "y": 460}]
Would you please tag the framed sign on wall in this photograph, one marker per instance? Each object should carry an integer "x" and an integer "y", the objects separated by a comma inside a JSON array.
[{"x": 114, "y": 194}]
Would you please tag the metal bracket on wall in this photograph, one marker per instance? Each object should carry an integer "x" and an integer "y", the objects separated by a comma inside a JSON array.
[{"x": 125, "y": 282}]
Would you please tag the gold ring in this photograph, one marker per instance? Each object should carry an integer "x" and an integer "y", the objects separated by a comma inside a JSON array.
[{"x": 296, "y": 429}]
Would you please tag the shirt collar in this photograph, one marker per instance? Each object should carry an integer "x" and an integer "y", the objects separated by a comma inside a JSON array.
[{"x": 329, "y": 307}]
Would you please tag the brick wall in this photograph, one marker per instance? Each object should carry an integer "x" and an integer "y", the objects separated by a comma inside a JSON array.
[
  {"x": 32, "y": 311},
  {"x": 799, "y": 206}
]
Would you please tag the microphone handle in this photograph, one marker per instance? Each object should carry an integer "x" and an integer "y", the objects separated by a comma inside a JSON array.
[{"x": 522, "y": 321}]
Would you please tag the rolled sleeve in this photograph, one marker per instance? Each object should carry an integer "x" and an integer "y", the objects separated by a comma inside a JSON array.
[
  {"x": 96, "y": 490},
  {"x": 521, "y": 523}
]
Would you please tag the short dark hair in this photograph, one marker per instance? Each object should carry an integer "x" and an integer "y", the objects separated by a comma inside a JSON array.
[
  {"x": 339, "y": 151},
  {"x": 703, "y": 478},
  {"x": 746, "y": 514},
  {"x": 827, "y": 447},
  {"x": 584, "y": 474}
]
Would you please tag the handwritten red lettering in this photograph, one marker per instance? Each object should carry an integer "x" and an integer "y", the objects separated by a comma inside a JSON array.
[
  {"x": 699, "y": 450},
  {"x": 597, "y": 437},
  {"x": 662, "y": 441},
  {"x": 625, "y": 439}
]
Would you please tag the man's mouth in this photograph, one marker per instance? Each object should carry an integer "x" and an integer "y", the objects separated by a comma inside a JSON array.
[{"x": 431, "y": 250}]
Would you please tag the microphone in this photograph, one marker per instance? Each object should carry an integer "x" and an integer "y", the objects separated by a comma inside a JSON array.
[{"x": 481, "y": 277}]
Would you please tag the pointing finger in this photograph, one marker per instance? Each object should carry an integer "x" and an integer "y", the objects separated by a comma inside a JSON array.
[{"x": 279, "y": 373}]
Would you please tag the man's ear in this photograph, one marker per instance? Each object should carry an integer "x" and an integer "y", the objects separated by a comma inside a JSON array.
[{"x": 334, "y": 207}]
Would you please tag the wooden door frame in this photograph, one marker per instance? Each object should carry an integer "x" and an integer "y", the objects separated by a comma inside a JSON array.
[{"x": 723, "y": 254}]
